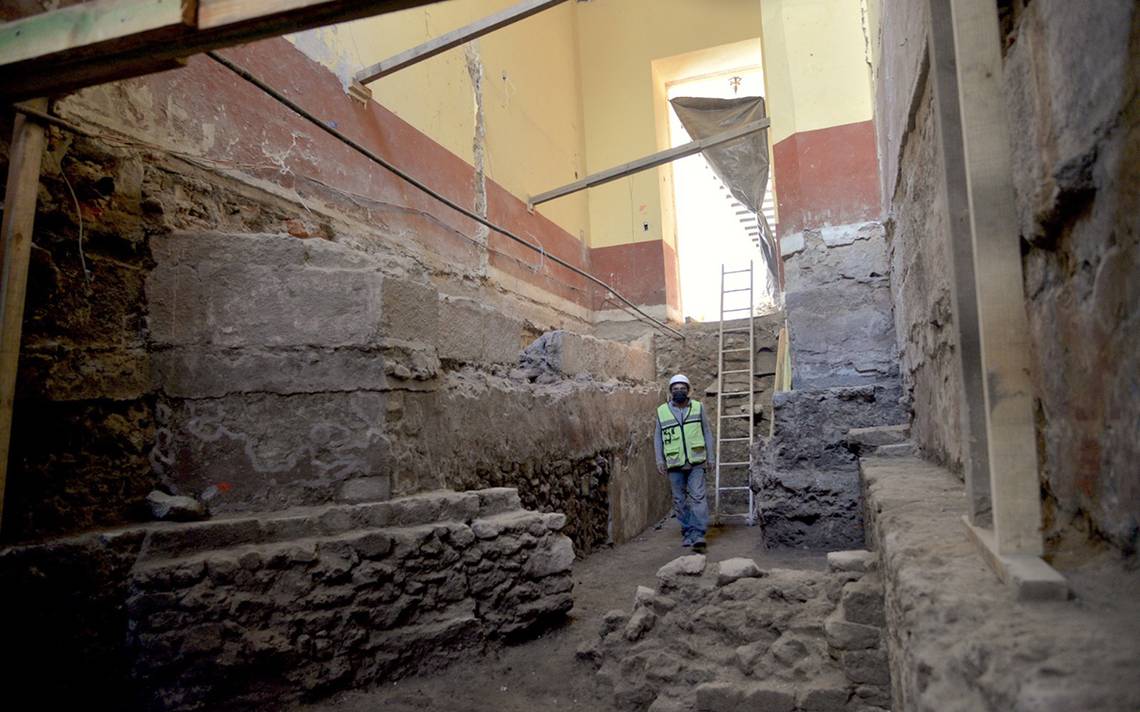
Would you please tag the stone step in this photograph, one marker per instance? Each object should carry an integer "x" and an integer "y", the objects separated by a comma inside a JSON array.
[
  {"x": 227, "y": 532},
  {"x": 877, "y": 436},
  {"x": 903, "y": 449}
]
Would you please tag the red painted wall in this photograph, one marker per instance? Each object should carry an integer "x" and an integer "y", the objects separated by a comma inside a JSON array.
[
  {"x": 827, "y": 177},
  {"x": 261, "y": 137}
]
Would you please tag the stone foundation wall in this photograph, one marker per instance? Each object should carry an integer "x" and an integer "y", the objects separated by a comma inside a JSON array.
[
  {"x": 207, "y": 355},
  {"x": 735, "y": 637},
  {"x": 257, "y": 611},
  {"x": 921, "y": 270},
  {"x": 839, "y": 306},
  {"x": 1070, "y": 82},
  {"x": 806, "y": 477},
  {"x": 957, "y": 638}
]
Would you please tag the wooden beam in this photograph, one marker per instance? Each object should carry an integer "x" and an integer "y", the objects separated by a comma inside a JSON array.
[
  {"x": 81, "y": 46},
  {"x": 24, "y": 157},
  {"x": 948, "y": 127},
  {"x": 93, "y": 25},
  {"x": 1015, "y": 492},
  {"x": 651, "y": 161},
  {"x": 455, "y": 38}
]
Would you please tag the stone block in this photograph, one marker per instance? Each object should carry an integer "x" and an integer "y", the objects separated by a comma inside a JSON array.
[
  {"x": 564, "y": 353},
  {"x": 866, "y": 666},
  {"x": 823, "y": 699},
  {"x": 692, "y": 565},
  {"x": 174, "y": 508},
  {"x": 476, "y": 333},
  {"x": 497, "y": 500},
  {"x": 411, "y": 310},
  {"x": 845, "y": 635},
  {"x": 553, "y": 556},
  {"x": 856, "y": 560},
  {"x": 729, "y": 697},
  {"x": 203, "y": 371},
  {"x": 904, "y": 449},
  {"x": 365, "y": 489},
  {"x": 862, "y": 602},
  {"x": 873, "y": 437},
  {"x": 733, "y": 569},
  {"x": 268, "y": 296}
]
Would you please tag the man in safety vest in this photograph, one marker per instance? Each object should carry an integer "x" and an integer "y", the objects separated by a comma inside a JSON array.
[{"x": 683, "y": 443}]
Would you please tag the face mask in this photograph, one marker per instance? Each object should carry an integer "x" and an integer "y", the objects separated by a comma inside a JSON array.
[{"x": 679, "y": 397}]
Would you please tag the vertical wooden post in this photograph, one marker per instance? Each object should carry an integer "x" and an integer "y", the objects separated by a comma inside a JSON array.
[
  {"x": 1003, "y": 326},
  {"x": 25, "y": 155},
  {"x": 948, "y": 126}
]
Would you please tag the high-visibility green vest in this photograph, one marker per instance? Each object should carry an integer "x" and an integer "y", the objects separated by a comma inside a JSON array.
[{"x": 682, "y": 443}]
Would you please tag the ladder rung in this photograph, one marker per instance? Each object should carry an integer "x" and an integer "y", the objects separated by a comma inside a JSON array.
[
  {"x": 737, "y": 271},
  {"x": 726, "y": 489},
  {"x": 737, "y": 393},
  {"x": 720, "y": 416},
  {"x": 726, "y": 440},
  {"x": 737, "y": 370},
  {"x": 739, "y": 328},
  {"x": 745, "y": 289},
  {"x": 734, "y": 464},
  {"x": 725, "y": 351},
  {"x": 722, "y": 311}
]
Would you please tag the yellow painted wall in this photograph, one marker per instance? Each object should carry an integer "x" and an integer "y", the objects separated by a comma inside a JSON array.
[
  {"x": 531, "y": 91},
  {"x": 815, "y": 61},
  {"x": 618, "y": 42}
]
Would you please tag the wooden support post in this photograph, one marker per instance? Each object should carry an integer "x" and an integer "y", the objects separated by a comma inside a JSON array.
[
  {"x": 455, "y": 38},
  {"x": 1003, "y": 325},
  {"x": 25, "y": 155},
  {"x": 650, "y": 161},
  {"x": 948, "y": 125}
]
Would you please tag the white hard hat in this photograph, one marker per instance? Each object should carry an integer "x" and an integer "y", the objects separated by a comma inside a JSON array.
[{"x": 680, "y": 378}]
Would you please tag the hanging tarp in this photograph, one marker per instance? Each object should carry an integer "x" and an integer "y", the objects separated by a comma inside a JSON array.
[{"x": 742, "y": 165}]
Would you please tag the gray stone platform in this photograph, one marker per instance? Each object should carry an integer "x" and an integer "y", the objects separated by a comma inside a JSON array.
[{"x": 259, "y": 610}]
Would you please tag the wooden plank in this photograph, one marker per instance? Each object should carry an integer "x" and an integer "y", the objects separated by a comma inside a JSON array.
[
  {"x": 948, "y": 127},
  {"x": 454, "y": 39},
  {"x": 88, "y": 60},
  {"x": 24, "y": 156},
  {"x": 1003, "y": 324},
  {"x": 91, "y": 24},
  {"x": 650, "y": 161}
]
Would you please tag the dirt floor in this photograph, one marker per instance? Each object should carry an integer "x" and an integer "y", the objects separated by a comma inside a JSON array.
[{"x": 543, "y": 673}]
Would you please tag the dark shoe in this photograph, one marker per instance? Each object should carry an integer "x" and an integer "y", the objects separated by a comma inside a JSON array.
[{"x": 699, "y": 546}]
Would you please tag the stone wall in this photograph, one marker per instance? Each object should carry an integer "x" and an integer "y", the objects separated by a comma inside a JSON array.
[
  {"x": 921, "y": 270},
  {"x": 839, "y": 306},
  {"x": 735, "y": 637},
  {"x": 806, "y": 476},
  {"x": 957, "y": 638},
  {"x": 229, "y": 340},
  {"x": 260, "y": 611},
  {"x": 1071, "y": 76}
]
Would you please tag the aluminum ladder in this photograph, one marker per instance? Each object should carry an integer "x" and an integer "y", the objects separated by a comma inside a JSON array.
[{"x": 734, "y": 384}]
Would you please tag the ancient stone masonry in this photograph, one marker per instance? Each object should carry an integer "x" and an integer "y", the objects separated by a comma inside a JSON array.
[
  {"x": 958, "y": 639},
  {"x": 250, "y": 611},
  {"x": 734, "y": 637},
  {"x": 839, "y": 306},
  {"x": 845, "y": 376},
  {"x": 806, "y": 475}
]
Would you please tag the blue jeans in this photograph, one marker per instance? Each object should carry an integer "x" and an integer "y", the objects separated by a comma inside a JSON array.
[{"x": 690, "y": 503}]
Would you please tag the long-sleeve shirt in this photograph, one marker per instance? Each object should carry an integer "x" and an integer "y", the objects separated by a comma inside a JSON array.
[{"x": 679, "y": 414}]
